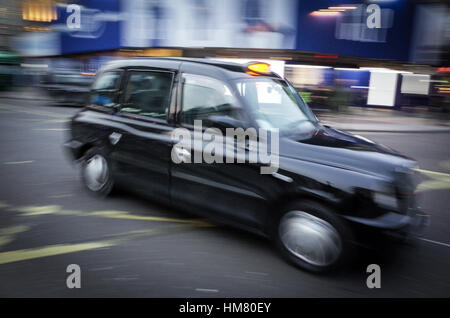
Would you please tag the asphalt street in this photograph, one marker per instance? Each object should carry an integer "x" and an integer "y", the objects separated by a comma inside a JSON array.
[{"x": 127, "y": 246}]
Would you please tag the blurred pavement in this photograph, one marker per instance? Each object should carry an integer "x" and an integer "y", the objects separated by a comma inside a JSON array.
[
  {"x": 386, "y": 120},
  {"x": 26, "y": 93}
]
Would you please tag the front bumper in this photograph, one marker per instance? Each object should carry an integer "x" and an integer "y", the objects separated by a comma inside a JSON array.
[{"x": 411, "y": 224}]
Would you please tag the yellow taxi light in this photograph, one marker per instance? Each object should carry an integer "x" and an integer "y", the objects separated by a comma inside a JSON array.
[{"x": 260, "y": 67}]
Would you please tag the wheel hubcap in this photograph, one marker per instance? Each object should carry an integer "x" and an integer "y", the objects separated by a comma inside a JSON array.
[
  {"x": 96, "y": 172},
  {"x": 310, "y": 238}
]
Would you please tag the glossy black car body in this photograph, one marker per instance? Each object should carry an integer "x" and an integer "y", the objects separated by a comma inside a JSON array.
[{"x": 349, "y": 181}]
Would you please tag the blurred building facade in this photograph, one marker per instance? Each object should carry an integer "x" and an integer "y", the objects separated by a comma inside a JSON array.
[
  {"x": 10, "y": 22},
  {"x": 327, "y": 46},
  {"x": 397, "y": 30}
]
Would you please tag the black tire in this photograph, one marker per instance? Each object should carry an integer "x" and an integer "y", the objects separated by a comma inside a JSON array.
[
  {"x": 105, "y": 186},
  {"x": 339, "y": 232}
]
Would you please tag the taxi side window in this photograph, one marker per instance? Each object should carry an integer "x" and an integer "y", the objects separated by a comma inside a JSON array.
[
  {"x": 204, "y": 97},
  {"x": 148, "y": 93},
  {"x": 105, "y": 88}
]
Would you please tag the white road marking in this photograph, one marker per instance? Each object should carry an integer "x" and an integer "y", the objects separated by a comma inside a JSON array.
[
  {"x": 434, "y": 242},
  {"x": 257, "y": 273},
  {"x": 55, "y": 121},
  {"x": 52, "y": 129},
  {"x": 17, "y": 162},
  {"x": 125, "y": 278},
  {"x": 206, "y": 290},
  {"x": 60, "y": 196},
  {"x": 100, "y": 269}
]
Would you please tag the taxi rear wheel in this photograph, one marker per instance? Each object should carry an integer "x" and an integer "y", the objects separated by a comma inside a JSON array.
[
  {"x": 312, "y": 237},
  {"x": 95, "y": 172}
]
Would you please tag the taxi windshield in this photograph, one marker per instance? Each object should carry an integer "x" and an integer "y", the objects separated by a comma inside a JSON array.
[{"x": 274, "y": 103}]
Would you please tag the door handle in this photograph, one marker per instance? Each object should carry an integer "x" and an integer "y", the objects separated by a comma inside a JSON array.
[
  {"x": 183, "y": 154},
  {"x": 114, "y": 138}
]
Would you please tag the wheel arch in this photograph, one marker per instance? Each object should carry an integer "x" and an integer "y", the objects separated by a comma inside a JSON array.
[
  {"x": 276, "y": 207},
  {"x": 87, "y": 146}
]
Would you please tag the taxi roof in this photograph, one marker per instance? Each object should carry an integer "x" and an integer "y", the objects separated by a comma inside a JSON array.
[{"x": 201, "y": 66}]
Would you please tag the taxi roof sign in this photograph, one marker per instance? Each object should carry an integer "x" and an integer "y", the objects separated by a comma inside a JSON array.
[{"x": 259, "y": 67}]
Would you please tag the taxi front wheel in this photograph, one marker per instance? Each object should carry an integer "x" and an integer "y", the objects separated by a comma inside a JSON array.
[
  {"x": 312, "y": 237},
  {"x": 95, "y": 172}
]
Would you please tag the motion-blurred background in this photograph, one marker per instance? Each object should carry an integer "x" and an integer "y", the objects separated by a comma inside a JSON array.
[
  {"x": 379, "y": 68},
  {"x": 337, "y": 53}
]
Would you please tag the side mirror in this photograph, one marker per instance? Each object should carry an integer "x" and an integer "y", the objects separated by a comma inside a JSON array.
[{"x": 223, "y": 122}]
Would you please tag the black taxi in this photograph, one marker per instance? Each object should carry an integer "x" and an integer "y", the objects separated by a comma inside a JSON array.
[{"x": 327, "y": 190}]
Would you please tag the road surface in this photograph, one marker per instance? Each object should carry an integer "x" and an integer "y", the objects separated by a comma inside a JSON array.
[{"x": 127, "y": 246}]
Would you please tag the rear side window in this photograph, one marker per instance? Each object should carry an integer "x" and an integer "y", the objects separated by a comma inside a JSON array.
[
  {"x": 204, "y": 97},
  {"x": 148, "y": 93},
  {"x": 105, "y": 87}
]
